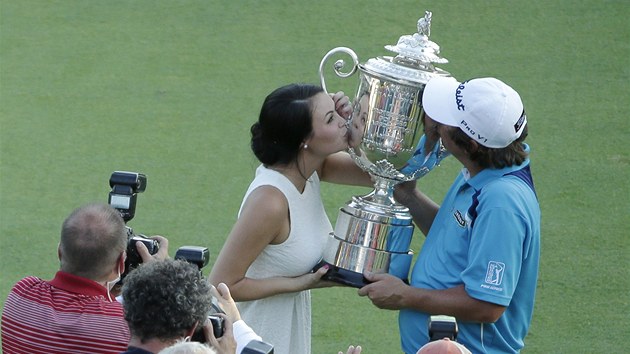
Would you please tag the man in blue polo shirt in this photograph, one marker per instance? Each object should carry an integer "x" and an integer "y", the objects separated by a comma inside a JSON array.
[{"x": 479, "y": 262}]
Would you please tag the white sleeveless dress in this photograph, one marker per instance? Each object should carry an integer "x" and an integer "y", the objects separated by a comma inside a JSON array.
[{"x": 285, "y": 320}]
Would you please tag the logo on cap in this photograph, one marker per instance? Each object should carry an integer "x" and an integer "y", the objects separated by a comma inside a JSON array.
[
  {"x": 464, "y": 125},
  {"x": 459, "y": 97},
  {"x": 519, "y": 122}
]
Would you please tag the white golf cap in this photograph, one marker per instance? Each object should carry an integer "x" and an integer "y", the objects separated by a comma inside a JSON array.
[{"x": 486, "y": 109}]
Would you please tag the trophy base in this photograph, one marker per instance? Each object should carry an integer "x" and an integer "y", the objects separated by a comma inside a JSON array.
[
  {"x": 345, "y": 276},
  {"x": 342, "y": 276}
]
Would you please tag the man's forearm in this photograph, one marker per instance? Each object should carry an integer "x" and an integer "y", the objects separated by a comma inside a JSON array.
[
  {"x": 421, "y": 207},
  {"x": 452, "y": 302}
]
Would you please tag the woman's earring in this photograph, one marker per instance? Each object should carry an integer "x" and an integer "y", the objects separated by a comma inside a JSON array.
[{"x": 305, "y": 146}]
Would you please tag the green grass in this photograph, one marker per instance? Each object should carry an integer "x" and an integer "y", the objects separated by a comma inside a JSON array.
[{"x": 170, "y": 88}]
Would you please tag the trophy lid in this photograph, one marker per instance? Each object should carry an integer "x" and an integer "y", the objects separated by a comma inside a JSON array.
[{"x": 413, "y": 63}]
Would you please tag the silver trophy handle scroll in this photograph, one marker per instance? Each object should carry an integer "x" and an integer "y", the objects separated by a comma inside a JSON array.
[{"x": 339, "y": 64}]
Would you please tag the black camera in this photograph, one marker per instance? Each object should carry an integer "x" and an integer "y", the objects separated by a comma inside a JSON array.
[
  {"x": 200, "y": 256},
  {"x": 441, "y": 327},
  {"x": 218, "y": 328},
  {"x": 197, "y": 255},
  {"x": 125, "y": 188},
  {"x": 217, "y": 325},
  {"x": 253, "y": 347},
  {"x": 257, "y": 347}
]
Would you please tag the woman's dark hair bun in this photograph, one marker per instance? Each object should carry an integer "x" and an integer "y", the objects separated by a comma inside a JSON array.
[
  {"x": 264, "y": 150},
  {"x": 285, "y": 121}
]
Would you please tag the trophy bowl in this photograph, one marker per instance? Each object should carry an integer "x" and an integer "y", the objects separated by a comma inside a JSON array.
[{"x": 373, "y": 232}]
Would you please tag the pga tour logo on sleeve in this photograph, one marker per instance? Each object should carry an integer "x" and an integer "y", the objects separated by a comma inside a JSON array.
[{"x": 494, "y": 276}]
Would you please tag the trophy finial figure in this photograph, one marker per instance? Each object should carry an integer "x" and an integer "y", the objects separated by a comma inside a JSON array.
[
  {"x": 417, "y": 47},
  {"x": 424, "y": 24}
]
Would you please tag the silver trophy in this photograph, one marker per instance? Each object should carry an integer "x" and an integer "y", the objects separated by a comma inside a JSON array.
[{"x": 373, "y": 232}]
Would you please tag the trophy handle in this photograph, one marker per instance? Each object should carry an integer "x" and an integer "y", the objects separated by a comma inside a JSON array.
[{"x": 339, "y": 64}]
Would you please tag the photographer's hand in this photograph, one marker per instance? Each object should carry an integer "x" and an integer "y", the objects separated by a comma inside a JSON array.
[
  {"x": 353, "y": 350},
  {"x": 226, "y": 344},
  {"x": 222, "y": 294},
  {"x": 162, "y": 253}
]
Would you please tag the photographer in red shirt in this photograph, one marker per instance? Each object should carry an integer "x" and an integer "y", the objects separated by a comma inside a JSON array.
[{"x": 76, "y": 312}]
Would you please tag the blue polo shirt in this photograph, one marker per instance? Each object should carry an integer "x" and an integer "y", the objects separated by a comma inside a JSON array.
[{"x": 486, "y": 236}]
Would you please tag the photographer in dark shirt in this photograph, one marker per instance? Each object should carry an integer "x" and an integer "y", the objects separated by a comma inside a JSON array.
[{"x": 164, "y": 302}]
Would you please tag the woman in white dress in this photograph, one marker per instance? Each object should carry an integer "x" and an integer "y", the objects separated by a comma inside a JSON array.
[{"x": 300, "y": 139}]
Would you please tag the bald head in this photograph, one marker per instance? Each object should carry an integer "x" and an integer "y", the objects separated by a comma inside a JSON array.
[
  {"x": 92, "y": 239},
  {"x": 188, "y": 348},
  {"x": 443, "y": 346}
]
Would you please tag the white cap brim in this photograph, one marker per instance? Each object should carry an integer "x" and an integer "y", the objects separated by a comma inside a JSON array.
[{"x": 437, "y": 100}]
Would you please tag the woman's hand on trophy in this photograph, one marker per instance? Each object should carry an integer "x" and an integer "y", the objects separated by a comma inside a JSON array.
[
  {"x": 313, "y": 280},
  {"x": 342, "y": 104}
]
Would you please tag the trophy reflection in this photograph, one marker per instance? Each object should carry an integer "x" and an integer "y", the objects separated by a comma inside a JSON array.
[{"x": 373, "y": 232}]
